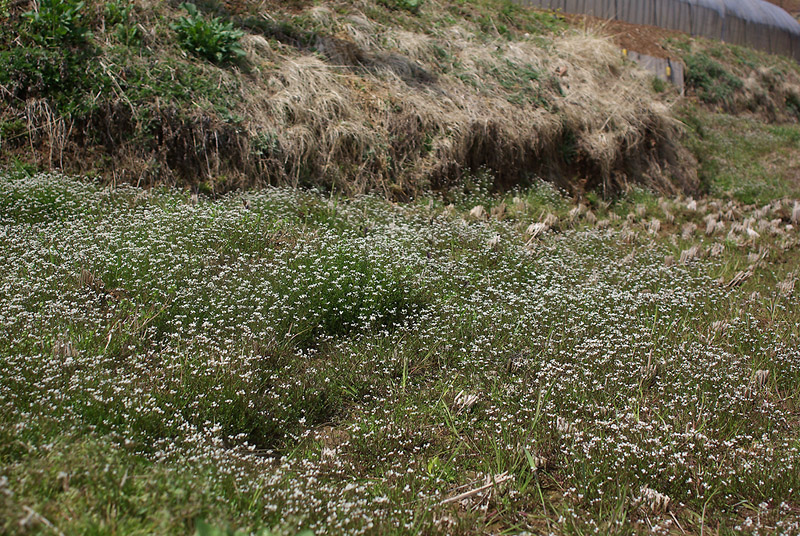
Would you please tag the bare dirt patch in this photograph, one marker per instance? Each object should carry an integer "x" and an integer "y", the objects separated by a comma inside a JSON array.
[{"x": 639, "y": 38}]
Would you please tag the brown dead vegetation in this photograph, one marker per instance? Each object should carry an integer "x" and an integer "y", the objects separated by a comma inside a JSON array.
[
  {"x": 358, "y": 104},
  {"x": 380, "y": 110},
  {"x": 644, "y": 39}
]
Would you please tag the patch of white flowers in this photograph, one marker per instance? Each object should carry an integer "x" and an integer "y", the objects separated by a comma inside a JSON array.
[{"x": 360, "y": 360}]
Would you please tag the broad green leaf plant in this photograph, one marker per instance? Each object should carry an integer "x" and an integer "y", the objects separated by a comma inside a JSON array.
[{"x": 212, "y": 39}]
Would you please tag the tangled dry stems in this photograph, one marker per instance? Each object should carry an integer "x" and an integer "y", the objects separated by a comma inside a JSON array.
[
  {"x": 405, "y": 124},
  {"x": 368, "y": 105}
]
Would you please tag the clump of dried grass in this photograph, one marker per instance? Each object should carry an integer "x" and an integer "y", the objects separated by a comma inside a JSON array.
[
  {"x": 653, "y": 500},
  {"x": 369, "y": 105},
  {"x": 767, "y": 91},
  {"x": 388, "y": 116}
]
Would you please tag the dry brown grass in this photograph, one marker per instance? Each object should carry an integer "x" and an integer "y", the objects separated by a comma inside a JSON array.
[
  {"x": 369, "y": 105},
  {"x": 380, "y": 109},
  {"x": 49, "y": 128},
  {"x": 766, "y": 93}
]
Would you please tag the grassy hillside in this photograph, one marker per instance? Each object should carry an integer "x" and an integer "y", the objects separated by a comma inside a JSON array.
[
  {"x": 741, "y": 114},
  {"x": 281, "y": 360},
  {"x": 613, "y": 349},
  {"x": 388, "y": 96}
]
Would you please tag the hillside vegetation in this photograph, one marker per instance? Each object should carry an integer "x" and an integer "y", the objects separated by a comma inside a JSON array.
[
  {"x": 281, "y": 360},
  {"x": 389, "y": 96},
  {"x": 583, "y": 318}
]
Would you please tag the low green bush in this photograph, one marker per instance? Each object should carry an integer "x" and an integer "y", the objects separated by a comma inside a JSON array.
[
  {"x": 58, "y": 22},
  {"x": 412, "y": 6},
  {"x": 712, "y": 83},
  {"x": 658, "y": 85},
  {"x": 65, "y": 76},
  {"x": 212, "y": 39},
  {"x": 118, "y": 16}
]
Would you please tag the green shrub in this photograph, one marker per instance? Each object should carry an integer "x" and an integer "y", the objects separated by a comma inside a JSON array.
[
  {"x": 793, "y": 103},
  {"x": 659, "y": 86},
  {"x": 212, "y": 39},
  {"x": 118, "y": 16},
  {"x": 712, "y": 83},
  {"x": 68, "y": 77},
  {"x": 57, "y": 22},
  {"x": 412, "y": 6},
  {"x": 12, "y": 129}
]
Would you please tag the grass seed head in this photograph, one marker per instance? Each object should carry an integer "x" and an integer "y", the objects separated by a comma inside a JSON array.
[
  {"x": 499, "y": 211},
  {"x": 760, "y": 379},
  {"x": 464, "y": 401},
  {"x": 478, "y": 212},
  {"x": 786, "y": 287},
  {"x": 690, "y": 254},
  {"x": 537, "y": 228},
  {"x": 716, "y": 249},
  {"x": 687, "y": 230},
  {"x": 653, "y": 500}
]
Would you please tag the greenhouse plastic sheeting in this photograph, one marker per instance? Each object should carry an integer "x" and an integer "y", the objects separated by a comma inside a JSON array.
[{"x": 755, "y": 23}]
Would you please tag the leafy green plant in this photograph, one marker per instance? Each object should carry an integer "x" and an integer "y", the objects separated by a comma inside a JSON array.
[
  {"x": 65, "y": 76},
  {"x": 118, "y": 12},
  {"x": 713, "y": 84},
  {"x": 265, "y": 144},
  {"x": 412, "y": 6},
  {"x": 212, "y": 39},
  {"x": 118, "y": 16},
  {"x": 658, "y": 85},
  {"x": 793, "y": 103},
  {"x": 58, "y": 22},
  {"x": 12, "y": 129}
]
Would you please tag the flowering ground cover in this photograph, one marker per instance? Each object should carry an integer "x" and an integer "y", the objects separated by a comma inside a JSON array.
[{"x": 282, "y": 360}]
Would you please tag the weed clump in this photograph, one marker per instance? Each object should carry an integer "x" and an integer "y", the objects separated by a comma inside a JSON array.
[
  {"x": 713, "y": 84},
  {"x": 740, "y": 80},
  {"x": 212, "y": 39},
  {"x": 120, "y": 15},
  {"x": 412, "y": 6},
  {"x": 58, "y": 22}
]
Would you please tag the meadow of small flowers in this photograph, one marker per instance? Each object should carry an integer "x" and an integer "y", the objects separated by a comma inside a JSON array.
[{"x": 281, "y": 360}]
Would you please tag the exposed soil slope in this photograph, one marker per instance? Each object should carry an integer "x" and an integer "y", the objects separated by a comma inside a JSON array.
[{"x": 640, "y": 38}]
